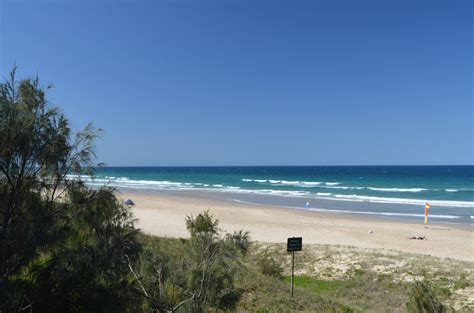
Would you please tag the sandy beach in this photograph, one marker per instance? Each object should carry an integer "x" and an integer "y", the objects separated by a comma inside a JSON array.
[{"x": 164, "y": 215}]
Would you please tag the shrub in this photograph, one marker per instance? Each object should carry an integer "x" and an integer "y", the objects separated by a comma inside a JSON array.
[
  {"x": 423, "y": 300},
  {"x": 268, "y": 266},
  {"x": 199, "y": 273}
]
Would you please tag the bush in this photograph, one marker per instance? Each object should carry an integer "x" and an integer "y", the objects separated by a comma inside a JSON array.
[
  {"x": 268, "y": 266},
  {"x": 196, "y": 274},
  {"x": 423, "y": 300}
]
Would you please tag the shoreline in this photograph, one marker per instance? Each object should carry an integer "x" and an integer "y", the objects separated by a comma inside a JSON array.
[
  {"x": 398, "y": 192},
  {"x": 164, "y": 215},
  {"x": 334, "y": 213}
]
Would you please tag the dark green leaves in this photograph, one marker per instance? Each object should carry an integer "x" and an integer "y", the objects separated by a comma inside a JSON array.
[{"x": 63, "y": 246}]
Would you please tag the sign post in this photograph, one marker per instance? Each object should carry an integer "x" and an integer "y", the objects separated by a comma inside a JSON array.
[{"x": 293, "y": 244}]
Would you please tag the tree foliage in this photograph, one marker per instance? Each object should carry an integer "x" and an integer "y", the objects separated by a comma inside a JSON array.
[{"x": 62, "y": 245}]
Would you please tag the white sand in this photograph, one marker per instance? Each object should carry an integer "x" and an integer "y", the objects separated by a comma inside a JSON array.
[{"x": 164, "y": 215}]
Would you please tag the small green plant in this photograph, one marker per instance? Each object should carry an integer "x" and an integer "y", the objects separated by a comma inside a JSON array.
[
  {"x": 356, "y": 272},
  {"x": 445, "y": 291},
  {"x": 462, "y": 282}
]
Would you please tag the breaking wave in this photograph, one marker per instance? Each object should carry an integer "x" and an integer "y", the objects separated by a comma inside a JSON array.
[
  {"x": 126, "y": 183},
  {"x": 443, "y": 203},
  {"x": 397, "y": 189},
  {"x": 387, "y": 213}
]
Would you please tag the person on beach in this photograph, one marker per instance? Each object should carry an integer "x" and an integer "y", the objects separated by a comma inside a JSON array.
[{"x": 418, "y": 238}]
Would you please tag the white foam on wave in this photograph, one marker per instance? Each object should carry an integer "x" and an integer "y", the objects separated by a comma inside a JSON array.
[
  {"x": 444, "y": 203},
  {"x": 397, "y": 189},
  {"x": 124, "y": 182},
  {"x": 387, "y": 213},
  {"x": 305, "y": 184},
  {"x": 152, "y": 182},
  {"x": 284, "y": 193},
  {"x": 343, "y": 187},
  {"x": 376, "y": 188},
  {"x": 354, "y": 198},
  {"x": 311, "y": 183},
  {"x": 73, "y": 176},
  {"x": 451, "y": 190},
  {"x": 280, "y": 192},
  {"x": 331, "y": 185},
  {"x": 285, "y": 182}
]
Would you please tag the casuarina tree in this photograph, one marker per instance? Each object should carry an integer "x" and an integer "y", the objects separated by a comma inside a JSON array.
[{"x": 62, "y": 244}]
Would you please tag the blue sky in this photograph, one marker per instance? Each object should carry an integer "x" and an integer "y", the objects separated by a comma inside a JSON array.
[{"x": 255, "y": 82}]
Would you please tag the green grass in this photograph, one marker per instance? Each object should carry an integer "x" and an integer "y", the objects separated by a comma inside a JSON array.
[{"x": 316, "y": 285}]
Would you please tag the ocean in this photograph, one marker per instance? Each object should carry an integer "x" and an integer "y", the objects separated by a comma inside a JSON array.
[{"x": 395, "y": 192}]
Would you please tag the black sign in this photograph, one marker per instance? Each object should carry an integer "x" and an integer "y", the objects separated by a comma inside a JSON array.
[{"x": 294, "y": 244}]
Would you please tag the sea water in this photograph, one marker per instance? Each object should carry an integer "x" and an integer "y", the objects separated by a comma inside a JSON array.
[{"x": 385, "y": 191}]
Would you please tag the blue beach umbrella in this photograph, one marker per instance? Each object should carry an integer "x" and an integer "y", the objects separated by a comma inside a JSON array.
[{"x": 129, "y": 202}]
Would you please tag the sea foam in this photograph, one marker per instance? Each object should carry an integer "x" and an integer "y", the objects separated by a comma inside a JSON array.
[
  {"x": 444, "y": 203},
  {"x": 397, "y": 189},
  {"x": 125, "y": 182},
  {"x": 387, "y": 213}
]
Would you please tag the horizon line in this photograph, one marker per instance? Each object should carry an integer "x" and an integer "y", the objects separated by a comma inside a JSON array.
[{"x": 359, "y": 165}]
